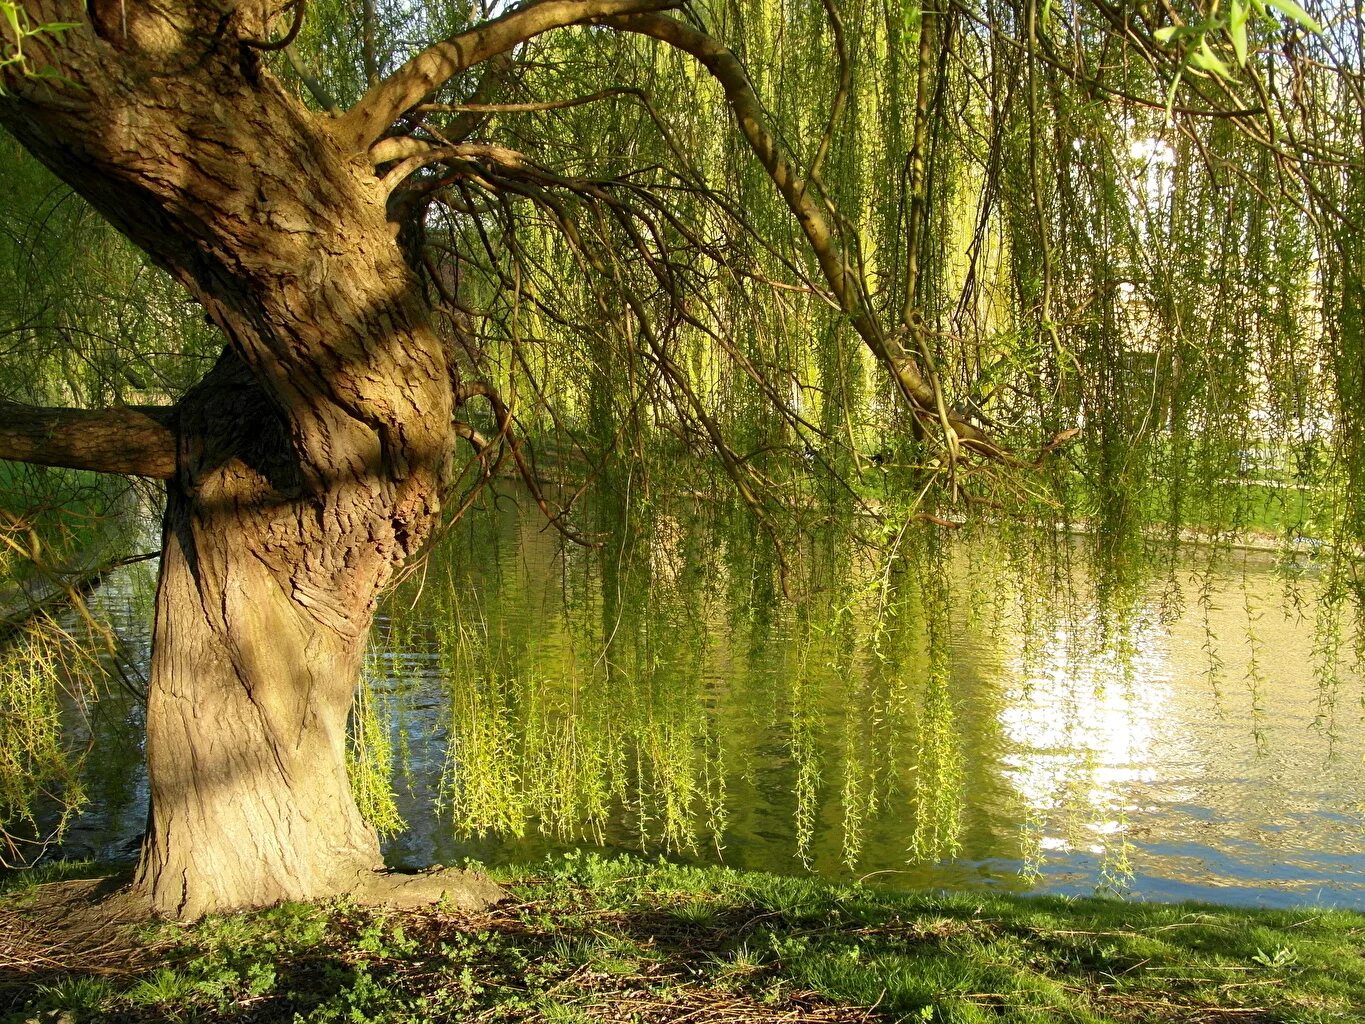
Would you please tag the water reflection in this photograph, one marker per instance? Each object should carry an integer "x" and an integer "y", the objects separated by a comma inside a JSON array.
[
  {"x": 952, "y": 718},
  {"x": 1079, "y": 726}
]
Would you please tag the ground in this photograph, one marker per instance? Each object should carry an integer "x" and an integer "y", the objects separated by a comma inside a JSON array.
[{"x": 592, "y": 939}]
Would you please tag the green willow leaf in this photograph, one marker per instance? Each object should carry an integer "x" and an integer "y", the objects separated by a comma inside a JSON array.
[
  {"x": 1238, "y": 13},
  {"x": 11, "y": 12},
  {"x": 1206, "y": 60},
  {"x": 1292, "y": 10}
]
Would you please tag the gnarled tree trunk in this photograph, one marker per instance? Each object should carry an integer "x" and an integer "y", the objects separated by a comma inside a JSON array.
[
  {"x": 307, "y": 465},
  {"x": 255, "y": 658}
]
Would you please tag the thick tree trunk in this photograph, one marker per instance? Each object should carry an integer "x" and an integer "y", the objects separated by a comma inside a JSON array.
[
  {"x": 246, "y": 729},
  {"x": 310, "y": 462},
  {"x": 253, "y": 670}
]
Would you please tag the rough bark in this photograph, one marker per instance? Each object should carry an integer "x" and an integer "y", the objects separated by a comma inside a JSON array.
[
  {"x": 251, "y": 681},
  {"x": 134, "y": 441}
]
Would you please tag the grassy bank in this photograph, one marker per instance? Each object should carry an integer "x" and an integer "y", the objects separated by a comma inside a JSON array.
[{"x": 622, "y": 940}]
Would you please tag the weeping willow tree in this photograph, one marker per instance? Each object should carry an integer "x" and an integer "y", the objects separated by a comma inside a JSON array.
[{"x": 1068, "y": 262}]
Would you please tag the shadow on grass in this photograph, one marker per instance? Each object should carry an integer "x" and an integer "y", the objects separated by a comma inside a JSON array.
[{"x": 659, "y": 943}]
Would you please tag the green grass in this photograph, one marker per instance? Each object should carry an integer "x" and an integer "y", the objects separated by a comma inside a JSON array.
[
  {"x": 590, "y": 939},
  {"x": 16, "y": 886}
]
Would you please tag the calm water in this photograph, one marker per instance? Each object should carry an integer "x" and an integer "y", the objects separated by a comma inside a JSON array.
[{"x": 945, "y": 721}]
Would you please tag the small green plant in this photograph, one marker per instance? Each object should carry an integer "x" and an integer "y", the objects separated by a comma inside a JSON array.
[
  {"x": 362, "y": 1000},
  {"x": 742, "y": 962},
  {"x": 1279, "y": 959},
  {"x": 259, "y": 978},
  {"x": 695, "y": 912},
  {"x": 615, "y": 955},
  {"x": 552, "y": 1011},
  {"x": 569, "y": 950},
  {"x": 388, "y": 942},
  {"x": 165, "y": 987},
  {"x": 74, "y": 993}
]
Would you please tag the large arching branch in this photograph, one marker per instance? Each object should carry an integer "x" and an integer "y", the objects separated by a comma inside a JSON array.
[
  {"x": 421, "y": 76},
  {"x": 132, "y": 441},
  {"x": 802, "y": 198}
]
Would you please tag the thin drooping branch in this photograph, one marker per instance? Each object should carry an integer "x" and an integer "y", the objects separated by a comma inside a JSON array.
[
  {"x": 918, "y": 190},
  {"x": 917, "y": 164},
  {"x": 507, "y": 435},
  {"x": 416, "y": 80},
  {"x": 841, "y": 95},
  {"x": 368, "y": 28},
  {"x": 498, "y": 74},
  {"x": 523, "y": 108},
  {"x": 132, "y": 441}
]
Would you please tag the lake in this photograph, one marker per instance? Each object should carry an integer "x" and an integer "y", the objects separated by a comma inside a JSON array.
[{"x": 967, "y": 714}]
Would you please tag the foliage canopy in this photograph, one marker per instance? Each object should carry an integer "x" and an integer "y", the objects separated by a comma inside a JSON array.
[{"x": 1139, "y": 223}]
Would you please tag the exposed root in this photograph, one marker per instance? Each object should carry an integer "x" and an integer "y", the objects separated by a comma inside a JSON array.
[{"x": 464, "y": 891}]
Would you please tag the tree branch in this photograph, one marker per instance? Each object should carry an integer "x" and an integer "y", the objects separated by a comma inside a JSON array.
[
  {"x": 132, "y": 440},
  {"x": 314, "y": 87},
  {"x": 415, "y": 154},
  {"x": 805, "y": 205},
  {"x": 496, "y": 76},
  {"x": 300, "y": 8},
  {"x": 472, "y": 106},
  {"x": 381, "y": 105}
]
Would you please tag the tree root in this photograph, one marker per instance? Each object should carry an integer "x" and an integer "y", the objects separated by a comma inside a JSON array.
[{"x": 466, "y": 891}]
